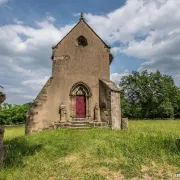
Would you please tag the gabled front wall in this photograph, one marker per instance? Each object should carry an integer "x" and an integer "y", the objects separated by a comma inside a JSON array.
[{"x": 72, "y": 64}]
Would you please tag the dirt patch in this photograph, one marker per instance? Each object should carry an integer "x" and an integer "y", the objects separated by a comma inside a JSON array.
[
  {"x": 111, "y": 175},
  {"x": 158, "y": 171},
  {"x": 70, "y": 158}
]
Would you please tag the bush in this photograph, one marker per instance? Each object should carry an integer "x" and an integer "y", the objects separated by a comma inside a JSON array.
[{"x": 13, "y": 114}]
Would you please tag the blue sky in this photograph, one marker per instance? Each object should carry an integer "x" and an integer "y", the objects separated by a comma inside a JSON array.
[
  {"x": 143, "y": 35},
  {"x": 63, "y": 10}
]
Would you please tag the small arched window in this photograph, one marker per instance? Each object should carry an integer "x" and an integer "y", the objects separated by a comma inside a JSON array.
[{"x": 82, "y": 41}]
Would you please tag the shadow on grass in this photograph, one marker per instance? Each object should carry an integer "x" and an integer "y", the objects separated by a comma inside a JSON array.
[{"x": 17, "y": 150}]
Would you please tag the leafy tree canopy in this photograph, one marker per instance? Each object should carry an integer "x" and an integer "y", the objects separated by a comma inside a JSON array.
[
  {"x": 13, "y": 114},
  {"x": 149, "y": 95}
]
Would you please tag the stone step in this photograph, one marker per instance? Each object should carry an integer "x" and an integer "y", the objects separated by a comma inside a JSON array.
[
  {"x": 62, "y": 124},
  {"x": 79, "y": 122},
  {"x": 96, "y": 124},
  {"x": 80, "y": 127},
  {"x": 79, "y": 119}
]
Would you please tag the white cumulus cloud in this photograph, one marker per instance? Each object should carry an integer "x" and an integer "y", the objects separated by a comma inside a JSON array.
[
  {"x": 116, "y": 77},
  {"x": 3, "y": 2},
  {"x": 149, "y": 30},
  {"x": 25, "y": 57}
]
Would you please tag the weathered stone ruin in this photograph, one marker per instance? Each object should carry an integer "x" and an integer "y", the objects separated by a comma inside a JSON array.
[
  {"x": 2, "y": 99},
  {"x": 124, "y": 124}
]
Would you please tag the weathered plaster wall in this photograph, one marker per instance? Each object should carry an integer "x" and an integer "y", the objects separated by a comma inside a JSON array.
[{"x": 71, "y": 64}]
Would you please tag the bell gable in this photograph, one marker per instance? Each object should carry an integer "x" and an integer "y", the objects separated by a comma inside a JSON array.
[{"x": 82, "y": 35}]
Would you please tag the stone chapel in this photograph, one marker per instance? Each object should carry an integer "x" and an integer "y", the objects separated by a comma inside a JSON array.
[{"x": 79, "y": 92}]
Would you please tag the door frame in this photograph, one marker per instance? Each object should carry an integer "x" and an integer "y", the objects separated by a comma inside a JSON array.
[{"x": 80, "y": 88}]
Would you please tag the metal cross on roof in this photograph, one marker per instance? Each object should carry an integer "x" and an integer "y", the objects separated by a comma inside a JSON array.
[{"x": 82, "y": 16}]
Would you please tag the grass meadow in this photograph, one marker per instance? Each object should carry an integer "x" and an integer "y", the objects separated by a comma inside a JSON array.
[{"x": 147, "y": 150}]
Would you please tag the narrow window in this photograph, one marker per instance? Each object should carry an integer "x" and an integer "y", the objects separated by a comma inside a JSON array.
[{"x": 82, "y": 41}]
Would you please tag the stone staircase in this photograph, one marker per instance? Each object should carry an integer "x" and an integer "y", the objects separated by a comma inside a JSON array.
[{"x": 80, "y": 124}]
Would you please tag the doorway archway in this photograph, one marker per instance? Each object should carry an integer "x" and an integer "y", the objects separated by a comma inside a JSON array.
[{"x": 80, "y": 97}]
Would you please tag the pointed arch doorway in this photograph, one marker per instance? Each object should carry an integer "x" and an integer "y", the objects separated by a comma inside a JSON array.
[{"x": 80, "y": 96}]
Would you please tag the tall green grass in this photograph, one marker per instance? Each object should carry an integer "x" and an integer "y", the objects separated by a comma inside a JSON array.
[{"x": 148, "y": 148}]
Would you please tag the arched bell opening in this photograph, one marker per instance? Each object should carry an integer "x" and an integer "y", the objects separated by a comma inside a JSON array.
[
  {"x": 80, "y": 97},
  {"x": 82, "y": 41}
]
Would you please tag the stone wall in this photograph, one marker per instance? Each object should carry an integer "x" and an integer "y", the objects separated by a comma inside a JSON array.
[
  {"x": 105, "y": 102},
  {"x": 2, "y": 99},
  {"x": 110, "y": 103},
  {"x": 124, "y": 124},
  {"x": 115, "y": 110},
  {"x": 34, "y": 116},
  {"x": 1, "y": 145}
]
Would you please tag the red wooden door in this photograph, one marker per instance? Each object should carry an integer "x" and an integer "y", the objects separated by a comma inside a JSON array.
[{"x": 80, "y": 106}]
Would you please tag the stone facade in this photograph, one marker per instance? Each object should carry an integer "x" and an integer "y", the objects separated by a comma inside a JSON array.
[{"x": 79, "y": 88}]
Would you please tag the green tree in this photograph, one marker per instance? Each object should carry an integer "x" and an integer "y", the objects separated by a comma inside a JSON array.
[
  {"x": 13, "y": 114},
  {"x": 149, "y": 95},
  {"x": 177, "y": 105}
]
